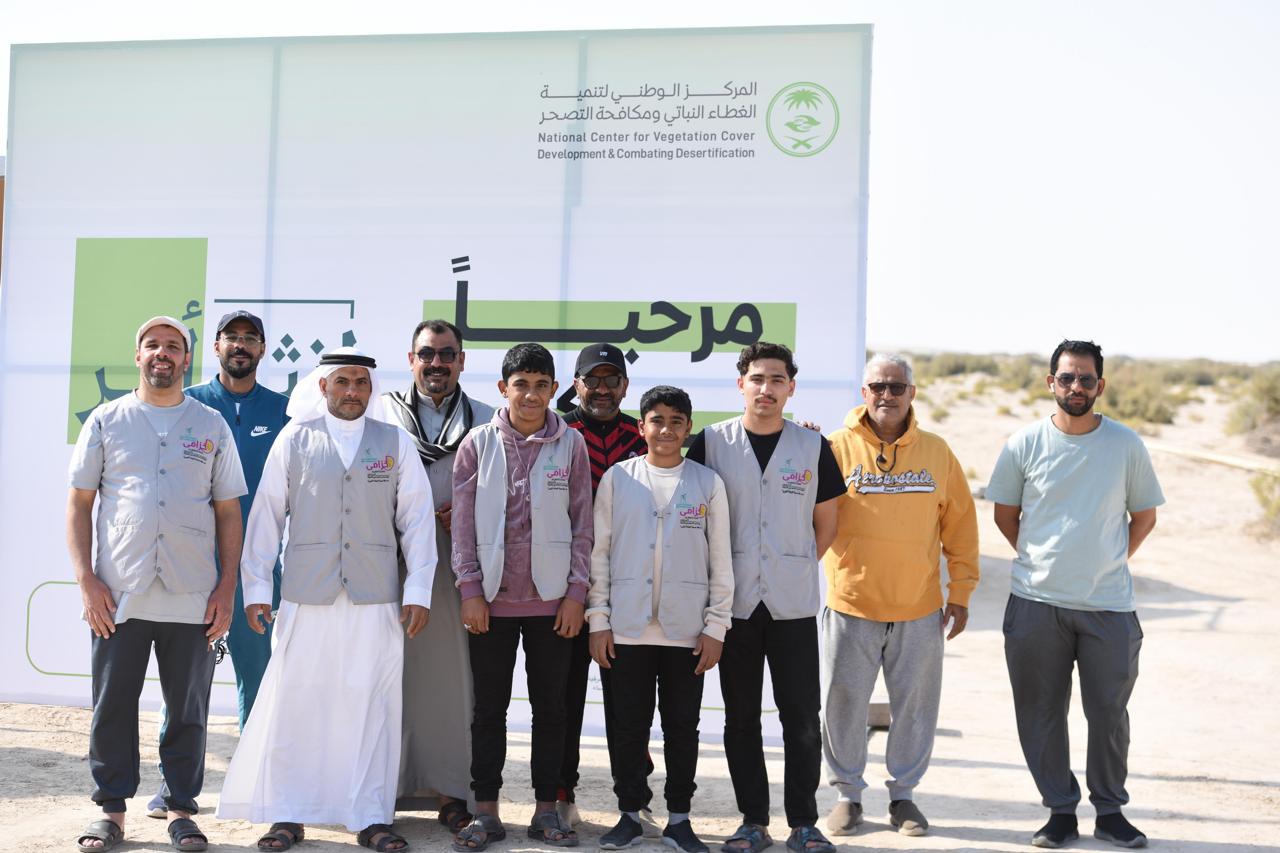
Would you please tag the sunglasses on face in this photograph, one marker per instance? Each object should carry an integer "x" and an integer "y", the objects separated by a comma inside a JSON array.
[
  {"x": 448, "y": 355},
  {"x": 895, "y": 389},
  {"x": 613, "y": 380},
  {"x": 242, "y": 340},
  {"x": 1066, "y": 380}
]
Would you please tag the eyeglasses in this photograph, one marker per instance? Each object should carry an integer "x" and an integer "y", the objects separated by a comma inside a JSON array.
[
  {"x": 448, "y": 355},
  {"x": 895, "y": 389},
  {"x": 1066, "y": 380},
  {"x": 613, "y": 380},
  {"x": 247, "y": 340}
]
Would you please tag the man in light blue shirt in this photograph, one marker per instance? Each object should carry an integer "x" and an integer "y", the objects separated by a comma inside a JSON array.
[{"x": 1075, "y": 495}]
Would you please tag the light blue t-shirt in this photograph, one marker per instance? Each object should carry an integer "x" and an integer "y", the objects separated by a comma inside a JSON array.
[{"x": 1076, "y": 493}]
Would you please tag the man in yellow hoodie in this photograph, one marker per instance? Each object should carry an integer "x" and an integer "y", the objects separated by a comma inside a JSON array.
[{"x": 907, "y": 502}]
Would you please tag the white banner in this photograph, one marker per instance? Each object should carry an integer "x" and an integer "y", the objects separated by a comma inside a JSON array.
[{"x": 679, "y": 193}]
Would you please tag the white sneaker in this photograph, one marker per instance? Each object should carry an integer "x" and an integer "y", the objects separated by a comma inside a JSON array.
[
  {"x": 649, "y": 825},
  {"x": 568, "y": 813}
]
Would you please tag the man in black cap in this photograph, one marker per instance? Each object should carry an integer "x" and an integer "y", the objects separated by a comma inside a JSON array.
[{"x": 600, "y": 380}]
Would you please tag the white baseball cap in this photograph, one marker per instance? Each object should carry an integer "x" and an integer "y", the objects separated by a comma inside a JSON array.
[{"x": 163, "y": 320}]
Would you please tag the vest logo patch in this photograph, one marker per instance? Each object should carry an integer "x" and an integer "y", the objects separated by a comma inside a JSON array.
[
  {"x": 556, "y": 477},
  {"x": 795, "y": 481},
  {"x": 692, "y": 516},
  {"x": 196, "y": 449},
  {"x": 377, "y": 469},
  {"x": 875, "y": 483}
]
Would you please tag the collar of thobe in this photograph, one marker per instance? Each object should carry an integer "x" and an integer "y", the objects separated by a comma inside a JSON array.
[{"x": 307, "y": 401}]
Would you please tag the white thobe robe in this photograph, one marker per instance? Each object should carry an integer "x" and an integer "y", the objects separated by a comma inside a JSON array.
[{"x": 322, "y": 744}]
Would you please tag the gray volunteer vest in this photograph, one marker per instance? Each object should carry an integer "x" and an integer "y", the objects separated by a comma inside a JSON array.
[
  {"x": 775, "y": 557},
  {"x": 155, "y": 518},
  {"x": 685, "y": 552},
  {"x": 342, "y": 532},
  {"x": 552, "y": 534}
]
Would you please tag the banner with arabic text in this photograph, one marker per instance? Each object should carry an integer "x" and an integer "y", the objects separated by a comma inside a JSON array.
[{"x": 680, "y": 193}]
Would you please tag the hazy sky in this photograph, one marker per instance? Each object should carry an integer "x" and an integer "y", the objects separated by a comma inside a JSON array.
[{"x": 1108, "y": 170}]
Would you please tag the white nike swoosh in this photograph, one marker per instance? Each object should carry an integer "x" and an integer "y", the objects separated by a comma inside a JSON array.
[{"x": 259, "y": 430}]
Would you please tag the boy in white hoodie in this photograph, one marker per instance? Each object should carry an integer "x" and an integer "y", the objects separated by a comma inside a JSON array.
[{"x": 660, "y": 602}]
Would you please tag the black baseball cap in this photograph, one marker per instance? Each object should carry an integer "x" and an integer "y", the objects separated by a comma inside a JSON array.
[
  {"x": 596, "y": 355},
  {"x": 227, "y": 319}
]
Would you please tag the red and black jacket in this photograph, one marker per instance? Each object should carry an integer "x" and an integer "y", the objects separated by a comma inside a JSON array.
[{"x": 607, "y": 443}]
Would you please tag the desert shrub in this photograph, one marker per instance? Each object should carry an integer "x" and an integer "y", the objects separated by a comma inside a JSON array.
[
  {"x": 1020, "y": 372},
  {"x": 939, "y": 413},
  {"x": 1259, "y": 401},
  {"x": 1003, "y": 410},
  {"x": 1266, "y": 486},
  {"x": 981, "y": 387}
]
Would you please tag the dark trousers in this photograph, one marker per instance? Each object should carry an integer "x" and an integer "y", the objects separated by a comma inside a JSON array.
[
  {"x": 1042, "y": 644},
  {"x": 575, "y": 701},
  {"x": 636, "y": 671},
  {"x": 791, "y": 648},
  {"x": 546, "y": 666},
  {"x": 186, "y": 677}
]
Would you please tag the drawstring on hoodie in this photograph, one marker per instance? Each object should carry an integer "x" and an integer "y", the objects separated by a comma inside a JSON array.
[{"x": 880, "y": 460}]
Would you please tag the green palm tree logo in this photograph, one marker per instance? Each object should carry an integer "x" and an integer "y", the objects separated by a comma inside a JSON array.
[{"x": 802, "y": 119}]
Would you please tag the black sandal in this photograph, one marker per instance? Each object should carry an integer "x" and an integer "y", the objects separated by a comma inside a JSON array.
[
  {"x": 365, "y": 838},
  {"x": 183, "y": 828},
  {"x": 288, "y": 834},
  {"x": 106, "y": 831},
  {"x": 454, "y": 816},
  {"x": 549, "y": 829}
]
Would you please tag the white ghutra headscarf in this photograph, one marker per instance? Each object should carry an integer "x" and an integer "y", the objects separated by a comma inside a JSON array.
[{"x": 307, "y": 402}]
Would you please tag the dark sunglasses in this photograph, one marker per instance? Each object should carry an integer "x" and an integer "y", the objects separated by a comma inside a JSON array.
[
  {"x": 895, "y": 389},
  {"x": 613, "y": 380},
  {"x": 1066, "y": 380},
  {"x": 448, "y": 355}
]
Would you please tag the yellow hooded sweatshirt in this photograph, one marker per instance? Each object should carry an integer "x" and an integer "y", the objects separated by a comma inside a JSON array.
[{"x": 894, "y": 520}]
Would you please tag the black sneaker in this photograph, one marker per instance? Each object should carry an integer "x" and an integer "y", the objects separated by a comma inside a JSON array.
[
  {"x": 1060, "y": 829},
  {"x": 625, "y": 833},
  {"x": 1116, "y": 829},
  {"x": 680, "y": 836}
]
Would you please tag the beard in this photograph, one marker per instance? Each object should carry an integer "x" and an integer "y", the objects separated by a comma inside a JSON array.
[
  {"x": 434, "y": 383},
  {"x": 602, "y": 409},
  {"x": 236, "y": 371},
  {"x": 1075, "y": 408},
  {"x": 349, "y": 412},
  {"x": 157, "y": 381}
]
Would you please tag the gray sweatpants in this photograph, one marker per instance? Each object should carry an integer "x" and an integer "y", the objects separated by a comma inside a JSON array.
[
  {"x": 1042, "y": 644},
  {"x": 854, "y": 651}
]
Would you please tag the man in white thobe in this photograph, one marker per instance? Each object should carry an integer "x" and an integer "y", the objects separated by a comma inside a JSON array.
[{"x": 322, "y": 744}]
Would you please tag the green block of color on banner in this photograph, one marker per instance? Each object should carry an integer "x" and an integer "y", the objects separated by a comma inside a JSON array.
[
  {"x": 120, "y": 282},
  {"x": 698, "y": 328}
]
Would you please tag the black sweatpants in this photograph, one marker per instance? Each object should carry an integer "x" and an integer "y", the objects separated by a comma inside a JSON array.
[
  {"x": 119, "y": 669},
  {"x": 637, "y": 671},
  {"x": 546, "y": 666},
  {"x": 791, "y": 648}
]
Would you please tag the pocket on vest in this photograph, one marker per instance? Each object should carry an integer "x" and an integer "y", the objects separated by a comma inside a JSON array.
[
  {"x": 311, "y": 546},
  {"x": 377, "y": 547},
  {"x": 194, "y": 531}
]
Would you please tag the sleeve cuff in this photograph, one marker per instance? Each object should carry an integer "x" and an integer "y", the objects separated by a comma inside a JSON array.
[
  {"x": 578, "y": 592},
  {"x": 471, "y": 589},
  {"x": 422, "y": 598},
  {"x": 255, "y": 592},
  {"x": 715, "y": 632},
  {"x": 958, "y": 594},
  {"x": 598, "y": 622}
]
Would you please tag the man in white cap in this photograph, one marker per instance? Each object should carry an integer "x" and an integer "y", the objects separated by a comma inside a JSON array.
[
  {"x": 164, "y": 470},
  {"x": 322, "y": 744}
]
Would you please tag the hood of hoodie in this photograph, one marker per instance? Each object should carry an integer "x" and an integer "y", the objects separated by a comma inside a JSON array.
[
  {"x": 860, "y": 422},
  {"x": 551, "y": 430}
]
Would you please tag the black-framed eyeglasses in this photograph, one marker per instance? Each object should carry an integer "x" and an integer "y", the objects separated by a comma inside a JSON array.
[
  {"x": 1066, "y": 380},
  {"x": 243, "y": 340},
  {"x": 895, "y": 389},
  {"x": 613, "y": 380},
  {"x": 448, "y": 355}
]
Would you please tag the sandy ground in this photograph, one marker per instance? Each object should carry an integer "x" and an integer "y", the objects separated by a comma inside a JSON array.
[{"x": 1205, "y": 755}]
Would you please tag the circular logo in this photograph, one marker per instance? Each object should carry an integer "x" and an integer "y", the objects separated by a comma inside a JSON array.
[{"x": 802, "y": 119}]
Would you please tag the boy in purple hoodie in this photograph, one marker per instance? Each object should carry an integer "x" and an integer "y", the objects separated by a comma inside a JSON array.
[{"x": 522, "y": 538}]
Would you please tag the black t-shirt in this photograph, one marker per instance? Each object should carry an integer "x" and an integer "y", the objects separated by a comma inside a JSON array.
[{"x": 830, "y": 479}]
